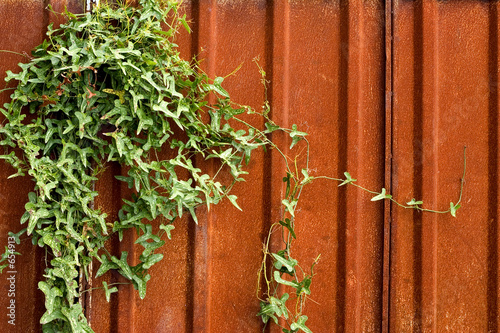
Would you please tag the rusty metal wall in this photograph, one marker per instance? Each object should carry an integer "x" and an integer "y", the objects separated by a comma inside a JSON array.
[{"x": 390, "y": 91}]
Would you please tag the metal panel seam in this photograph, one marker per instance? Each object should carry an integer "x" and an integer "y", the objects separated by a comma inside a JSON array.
[
  {"x": 492, "y": 284},
  {"x": 386, "y": 265}
]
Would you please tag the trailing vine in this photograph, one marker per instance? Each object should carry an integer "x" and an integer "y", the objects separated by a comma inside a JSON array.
[
  {"x": 110, "y": 86},
  {"x": 286, "y": 275}
]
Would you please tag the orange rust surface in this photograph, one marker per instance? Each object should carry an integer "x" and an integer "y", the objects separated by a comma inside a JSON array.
[{"x": 444, "y": 271}]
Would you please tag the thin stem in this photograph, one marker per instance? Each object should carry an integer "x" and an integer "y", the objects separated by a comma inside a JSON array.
[
  {"x": 462, "y": 181},
  {"x": 109, "y": 285},
  {"x": 2, "y": 90},
  {"x": 416, "y": 206},
  {"x": 13, "y": 52}
]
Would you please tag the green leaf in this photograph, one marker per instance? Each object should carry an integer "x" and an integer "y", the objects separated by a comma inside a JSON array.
[
  {"x": 289, "y": 264},
  {"x": 304, "y": 286},
  {"x": 185, "y": 24},
  {"x": 120, "y": 144},
  {"x": 414, "y": 202},
  {"x": 140, "y": 284},
  {"x": 76, "y": 318},
  {"x": 32, "y": 197},
  {"x": 453, "y": 209},
  {"x": 106, "y": 265},
  {"x": 51, "y": 316},
  {"x": 151, "y": 260},
  {"x": 35, "y": 215},
  {"x": 296, "y": 135},
  {"x": 381, "y": 196},
  {"x": 274, "y": 307},
  {"x": 51, "y": 295},
  {"x": 167, "y": 228},
  {"x": 268, "y": 311},
  {"x": 288, "y": 224},
  {"x": 348, "y": 179},
  {"x": 150, "y": 247},
  {"x": 278, "y": 279},
  {"x": 271, "y": 127},
  {"x": 107, "y": 291},
  {"x": 218, "y": 88},
  {"x": 307, "y": 179},
  {"x": 300, "y": 324},
  {"x": 17, "y": 235},
  {"x": 124, "y": 268},
  {"x": 233, "y": 198},
  {"x": 128, "y": 180},
  {"x": 149, "y": 78},
  {"x": 290, "y": 206},
  {"x": 83, "y": 119},
  {"x": 193, "y": 214}
]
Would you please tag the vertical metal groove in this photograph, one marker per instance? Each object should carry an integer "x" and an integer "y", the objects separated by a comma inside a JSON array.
[
  {"x": 204, "y": 13},
  {"x": 212, "y": 66},
  {"x": 86, "y": 299},
  {"x": 286, "y": 92},
  {"x": 388, "y": 88},
  {"x": 426, "y": 120},
  {"x": 46, "y": 17},
  {"x": 286, "y": 64},
  {"x": 435, "y": 158},
  {"x": 342, "y": 122},
  {"x": 266, "y": 193},
  {"x": 192, "y": 228},
  {"x": 39, "y": 255},
  {"x": 203, "y": 40},
  {"x": 418, "y": 69},
  {"x": 356, "y": 79},
  {"x": 492, "y": 284}
]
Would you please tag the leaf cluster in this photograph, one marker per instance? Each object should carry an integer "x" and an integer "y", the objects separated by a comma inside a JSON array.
[
  {"x": 110, "y": 87},
  {"x": 286, "y": 273}
]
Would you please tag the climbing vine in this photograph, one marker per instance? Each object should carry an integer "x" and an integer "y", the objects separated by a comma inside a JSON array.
[{"x": 110, "y": 86}]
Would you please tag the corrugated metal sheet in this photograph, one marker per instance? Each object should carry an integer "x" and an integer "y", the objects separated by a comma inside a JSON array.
[
  {"x": 444, "y": 271},
  {"x": 391, "y": 92}
]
